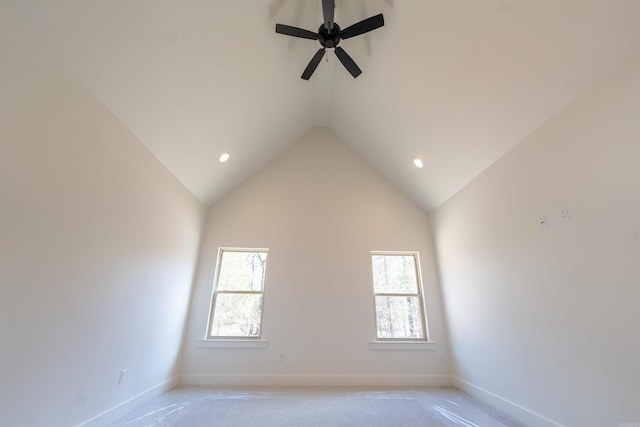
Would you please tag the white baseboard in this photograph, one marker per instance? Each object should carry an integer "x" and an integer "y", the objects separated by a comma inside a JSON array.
[
  {"x": 317, "y": 380},
  {"x": 127, "y": 406},
  {"x": 504, "y": 405}
]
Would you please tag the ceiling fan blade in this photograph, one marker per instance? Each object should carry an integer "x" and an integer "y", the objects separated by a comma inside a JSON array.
[
  {"x": 348, "y": 63},
  {"x": 313, "y": 64},
  {"x": 328, "y": 7},
  {"x": 288, "y": 30},
  {"x": 362, "y": 27}
]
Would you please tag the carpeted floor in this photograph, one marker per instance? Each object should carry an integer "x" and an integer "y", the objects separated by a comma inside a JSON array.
[{"x": 315, "y": 407}]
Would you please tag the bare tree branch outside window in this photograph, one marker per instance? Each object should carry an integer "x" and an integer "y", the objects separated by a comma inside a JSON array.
[
  {"x": 398, "y": 298},
  {"x": 238, "y": 294}
]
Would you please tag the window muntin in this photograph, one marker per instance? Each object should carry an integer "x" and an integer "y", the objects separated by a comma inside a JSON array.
[
  {"x": 398, "y": 297},
  {"x": 238, "y": 295}
]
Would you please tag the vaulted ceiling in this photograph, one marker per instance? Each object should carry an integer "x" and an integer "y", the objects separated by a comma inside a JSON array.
[{"x": 455, "y": 83}]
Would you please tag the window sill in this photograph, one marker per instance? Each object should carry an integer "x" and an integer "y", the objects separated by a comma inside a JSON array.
[
  {"x": 403, "y": 345},
  {"x": 222, "y": 343}
]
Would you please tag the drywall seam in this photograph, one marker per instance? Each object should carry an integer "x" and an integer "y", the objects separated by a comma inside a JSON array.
[{"x": 448, "y": 347}]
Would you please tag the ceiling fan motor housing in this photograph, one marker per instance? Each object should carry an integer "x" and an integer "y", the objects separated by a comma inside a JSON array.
[
  {"x": 329, "y": 35},
  {"x": 329, "y": 38}
]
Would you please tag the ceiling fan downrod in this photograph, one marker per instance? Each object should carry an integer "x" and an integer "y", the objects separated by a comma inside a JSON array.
[{"x": 329, "y": 36}]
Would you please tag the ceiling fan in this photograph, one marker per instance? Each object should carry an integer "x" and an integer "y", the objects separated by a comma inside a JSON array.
[{"x": 329, "y": 35}]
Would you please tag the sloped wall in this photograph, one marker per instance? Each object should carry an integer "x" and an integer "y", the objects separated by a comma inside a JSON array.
[
  {"x": 320, "y": 209},
  {"x": 99, "y": 245},
  {"x": 545, "y": 322}
]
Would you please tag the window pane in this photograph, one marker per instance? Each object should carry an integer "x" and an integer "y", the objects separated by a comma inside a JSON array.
[
  {"x": 394, "y": 274},
  {"x": 398, "y": 317},
  {"x": 242, "y": 271},
  {"x": 237, "y": 315}
]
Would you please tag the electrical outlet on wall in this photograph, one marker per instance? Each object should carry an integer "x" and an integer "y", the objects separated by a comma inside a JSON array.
[{"x": 123, "y": 376}]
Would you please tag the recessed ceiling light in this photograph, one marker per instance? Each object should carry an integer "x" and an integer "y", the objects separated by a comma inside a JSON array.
[
  {"x": 224, "y": 157},
  {"x": 418, "y": 163}
]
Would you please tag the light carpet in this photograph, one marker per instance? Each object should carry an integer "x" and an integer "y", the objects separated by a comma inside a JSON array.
[{"x": 315, "y": 407}]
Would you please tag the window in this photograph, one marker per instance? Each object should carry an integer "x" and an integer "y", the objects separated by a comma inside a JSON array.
[
  {"x": 398, "y": 298},
  {"x": 236, "y": 305}
]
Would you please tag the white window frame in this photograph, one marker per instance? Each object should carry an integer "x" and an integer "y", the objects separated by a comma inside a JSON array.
[
  {"x": 215, "y": 292},
  {"x": 419, "y": 295}
]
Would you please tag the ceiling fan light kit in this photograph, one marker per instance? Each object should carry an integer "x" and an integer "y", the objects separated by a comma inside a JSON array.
[{"x": 329, "y": 35}]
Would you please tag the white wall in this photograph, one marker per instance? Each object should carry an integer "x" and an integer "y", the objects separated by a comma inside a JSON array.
[
  {"x": 320, "y": 209},
  {"x": 549, "y": 319},
  {"x": 99, "y": 245}
]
